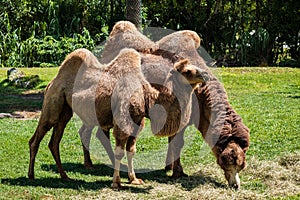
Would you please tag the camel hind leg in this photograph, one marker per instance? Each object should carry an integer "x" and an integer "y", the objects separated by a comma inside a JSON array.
[
  {"x": 85, "y": 133},
  {"x": 104, "y": 137},
  {"x": 58, "y": 131},
  {"x": 34, "y": 143},
  {"x": 51, "y": 112}
]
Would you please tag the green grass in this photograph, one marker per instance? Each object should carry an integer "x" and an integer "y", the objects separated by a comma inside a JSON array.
[{"x": 266, "y": 98}]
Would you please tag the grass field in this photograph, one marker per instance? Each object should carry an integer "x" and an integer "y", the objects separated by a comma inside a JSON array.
[{"x": 268, "y": 99}]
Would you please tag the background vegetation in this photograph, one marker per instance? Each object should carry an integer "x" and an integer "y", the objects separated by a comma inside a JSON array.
[{"x": 234, "y": 32}]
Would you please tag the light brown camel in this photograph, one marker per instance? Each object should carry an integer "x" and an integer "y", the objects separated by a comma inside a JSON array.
[
  {"x": 117, "y": 96},
  {"x": 220, "y": 125},
  {"x": 75, "y": 89}
]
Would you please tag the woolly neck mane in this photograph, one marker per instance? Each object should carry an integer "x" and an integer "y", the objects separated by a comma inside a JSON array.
[
  {"x": 173, "y": 106},
  {"x": 223, "y": 124}
]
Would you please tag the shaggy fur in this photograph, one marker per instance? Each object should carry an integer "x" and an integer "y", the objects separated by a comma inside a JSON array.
[{"x": 220, "y": 125}]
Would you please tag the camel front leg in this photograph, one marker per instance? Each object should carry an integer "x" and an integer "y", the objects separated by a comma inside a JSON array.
[
  {"x": 130, "y": 150},
  {"x": 175, "y": 145},
  {"x": 103, "y": 136},
  {"x": 119, "y": 154},
  {"x": 170, "y": 156},
  {"x": 121, "y": 139}
]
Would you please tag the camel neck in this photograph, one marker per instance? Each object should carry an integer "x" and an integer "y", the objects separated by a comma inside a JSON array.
[{"x": 216, "y": 114}]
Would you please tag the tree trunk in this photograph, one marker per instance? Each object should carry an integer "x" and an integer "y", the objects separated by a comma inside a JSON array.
[{"x": 133, "y": 12}]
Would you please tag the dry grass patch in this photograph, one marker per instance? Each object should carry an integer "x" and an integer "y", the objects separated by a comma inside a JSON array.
[{"x": 275, "y": 179}]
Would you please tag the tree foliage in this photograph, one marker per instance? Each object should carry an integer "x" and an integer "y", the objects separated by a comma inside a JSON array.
[{"x": 234, "y": 32}]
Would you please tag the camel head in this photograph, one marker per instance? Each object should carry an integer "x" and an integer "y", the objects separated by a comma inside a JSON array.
[
  {"x": 190, "y": 73},
  {"x": 232, "y": 161},
  {"x": 233, "y": 158}
]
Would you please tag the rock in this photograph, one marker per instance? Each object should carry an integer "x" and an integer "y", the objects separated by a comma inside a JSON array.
[{"x": 8, "y": 115}]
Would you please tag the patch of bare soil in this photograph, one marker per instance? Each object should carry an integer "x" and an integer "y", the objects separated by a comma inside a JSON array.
[
  {"x": 28, "y": 114},
  {"x": 23, "y": 115}
]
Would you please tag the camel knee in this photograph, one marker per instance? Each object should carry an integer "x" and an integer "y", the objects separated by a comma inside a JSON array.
[
  {"x": 119, "y": 153},
  {"x": 38, "y": 135},
  {"x": 131, "y": 149},
  {"x": 51, "y": 146}
]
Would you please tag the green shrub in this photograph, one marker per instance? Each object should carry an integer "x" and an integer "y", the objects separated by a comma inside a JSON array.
[{"x": 45, "y": 52}]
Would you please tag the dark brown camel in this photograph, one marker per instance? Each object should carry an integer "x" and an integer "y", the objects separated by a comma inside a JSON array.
[{"x": 221, "y": 127}]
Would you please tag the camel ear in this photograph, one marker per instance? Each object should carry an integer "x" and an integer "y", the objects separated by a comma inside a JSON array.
[
  {"x": 180, "y": 65},
  {"x": 240, "y": 159}
]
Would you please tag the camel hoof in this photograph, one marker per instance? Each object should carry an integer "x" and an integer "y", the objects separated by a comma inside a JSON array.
[
  {"x": 89, "y": 167},
  {"x": 168, "y": 167},
  {"x": 31, "y": 177},
  {"x": 137, "y": 181},
  {"x": 116, "y": 186},
  {"x": 177, "y": 175}
]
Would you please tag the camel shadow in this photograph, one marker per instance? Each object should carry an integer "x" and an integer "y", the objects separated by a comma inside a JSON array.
[
  {"x": 160, "y": 176},
  {"x": 56, "y": 183},
  {"x": 187, "y": 183}
]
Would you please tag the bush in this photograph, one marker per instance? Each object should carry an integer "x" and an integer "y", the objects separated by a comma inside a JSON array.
[{"x": 45, "y": 52}]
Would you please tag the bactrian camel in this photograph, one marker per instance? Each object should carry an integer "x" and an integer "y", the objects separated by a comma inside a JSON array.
[
  {"x": 115, "y": 96},
  {"x": 220, "y": 125}
]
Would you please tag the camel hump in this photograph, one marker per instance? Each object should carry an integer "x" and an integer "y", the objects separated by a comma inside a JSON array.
[
  {"x": 192, "y": 35},
  {"x": 75, "y": 59},
  {"x": 180, "y": 38},
  {"x": 128, "y": 60},
  {"x": 122, "y": 26},
  {"x": 129, "y": 56},
  {"x": 81, "y": 53}
]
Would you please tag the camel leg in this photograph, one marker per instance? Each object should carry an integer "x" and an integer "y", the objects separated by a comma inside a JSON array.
[
  {"x": 34, "y": 143},
  {"x": 176, "y": 144},
  {"x": 122, "y": 139},
  {"x": 58, "y": 130},
  {"x": 130, "y": 151},
  {"x": 170, "y": 157},
  {"x": 119, "y": 154},
  {"x": 104, "y": 138},
  {"x": 85, "y": 136}
]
